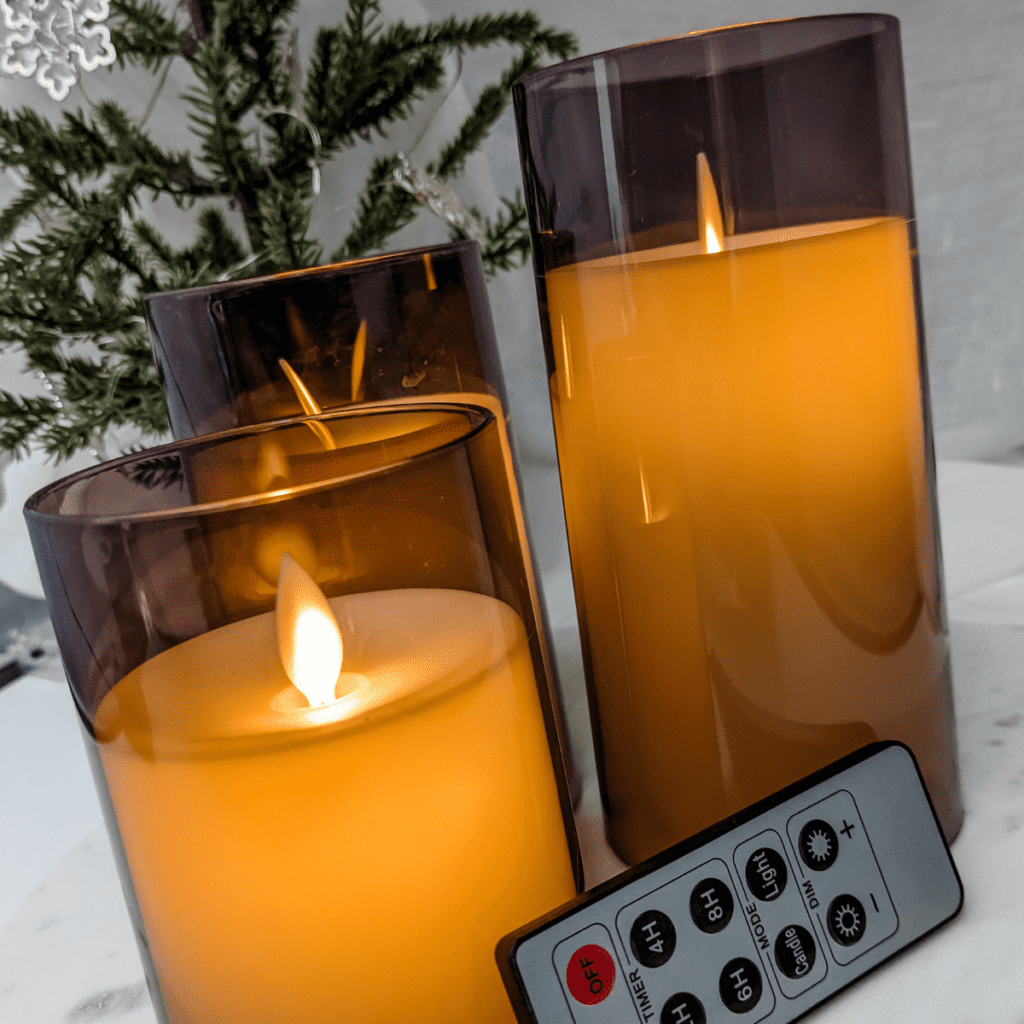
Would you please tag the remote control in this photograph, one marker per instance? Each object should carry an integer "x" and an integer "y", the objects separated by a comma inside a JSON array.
[{"x": 761, "y": 917}]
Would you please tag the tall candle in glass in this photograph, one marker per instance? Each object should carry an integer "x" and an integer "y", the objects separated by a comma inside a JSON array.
[
  {"x": 314, "y": 704},
  {"x": 727, "y": 269}
]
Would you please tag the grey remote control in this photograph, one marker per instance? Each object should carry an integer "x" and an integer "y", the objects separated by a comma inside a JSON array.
[{"x": 759, "y": 918}]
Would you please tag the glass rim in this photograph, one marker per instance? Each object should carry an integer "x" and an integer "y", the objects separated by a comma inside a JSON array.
[
  {"x": 483, "y": 417},
  {"x": 539, "y": 77},
  {"x": 321, "y": 270}
]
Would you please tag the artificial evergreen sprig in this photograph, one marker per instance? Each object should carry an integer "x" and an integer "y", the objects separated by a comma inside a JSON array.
[{"x": 76, "y": 255}]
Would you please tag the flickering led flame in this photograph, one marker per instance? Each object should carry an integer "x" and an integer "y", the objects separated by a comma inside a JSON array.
[
  {"x": 309, "y": 404},
  {"x": 709, "y": 213},
  {"x": 308, "y": 637}
]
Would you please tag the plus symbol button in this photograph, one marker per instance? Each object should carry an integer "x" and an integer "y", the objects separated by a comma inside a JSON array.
[{"x": 847, "y": 828}]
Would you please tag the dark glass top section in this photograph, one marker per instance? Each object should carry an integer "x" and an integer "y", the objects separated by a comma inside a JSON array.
[{"x": 801, "y": 121}]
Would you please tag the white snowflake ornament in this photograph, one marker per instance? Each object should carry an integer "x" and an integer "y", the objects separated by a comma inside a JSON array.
[{"x": 46, "y": 38}]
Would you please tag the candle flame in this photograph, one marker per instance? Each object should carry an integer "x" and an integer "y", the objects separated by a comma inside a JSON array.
[
  {"x": 308, "y": 637},
  {"x": 309, "y": 404},
  {"x": 709, "y": 213}
]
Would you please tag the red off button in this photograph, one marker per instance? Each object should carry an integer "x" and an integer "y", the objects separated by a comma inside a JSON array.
[{"x": 590, "y": 974}]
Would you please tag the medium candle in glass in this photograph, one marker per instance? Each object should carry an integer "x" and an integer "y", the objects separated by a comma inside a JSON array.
[
  {"x": 727, "y": 268},
  {"x": 403, "y": 326},
  {"x": 328, "y": 779},
  {"x": 399, "y": 328}
]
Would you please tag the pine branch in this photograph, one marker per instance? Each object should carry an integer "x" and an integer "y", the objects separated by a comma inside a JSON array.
[
  {"x": 216, "y": 246},
  {"x": 21, "y": 208},
  {"x": 384, "y": 208},
  {"x": 142, "y": 33},
  {"x": 22, "y": 417},
  {"x": 522, "y": 30},
  {"x": 44, "y": 153},
  {"x": 222, "y": 142},
  {"x": 76, "y": 254},
  {"x": 128, "y": 146},
  {"x": 507, "y": 238},
  {"x": 286, "y": 220},
  {"x": 489, "y": 106},
  {"x": 254, "y": 34}
]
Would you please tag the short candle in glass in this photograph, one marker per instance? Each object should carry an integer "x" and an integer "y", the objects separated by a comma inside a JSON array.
[{"x": 299, "y": 843}]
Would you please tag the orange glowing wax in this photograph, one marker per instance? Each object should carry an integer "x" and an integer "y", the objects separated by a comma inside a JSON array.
[
  {"x": 354, "y": 862},
  {"x": 741, "y": 444}
]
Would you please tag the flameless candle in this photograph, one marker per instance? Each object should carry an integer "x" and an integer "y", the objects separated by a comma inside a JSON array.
[
  {"x": 322, "y": 808},
  {"x": 355, "y": 861},
  {"x": 400, "y": 328},
  {"x": 723, "y": 228},
  {"x": 742, "y": 455}
]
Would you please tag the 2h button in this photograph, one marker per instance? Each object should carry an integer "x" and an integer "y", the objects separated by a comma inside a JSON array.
[{"x": 683, "y": 1008}]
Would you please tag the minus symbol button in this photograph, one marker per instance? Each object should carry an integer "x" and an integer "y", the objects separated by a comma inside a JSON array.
[{"x": 874, "y": 903}]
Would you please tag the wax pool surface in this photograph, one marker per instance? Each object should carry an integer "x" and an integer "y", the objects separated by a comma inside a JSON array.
[
  {"x": 742, "y": 453},
  {"x": 359, "y": 870}
]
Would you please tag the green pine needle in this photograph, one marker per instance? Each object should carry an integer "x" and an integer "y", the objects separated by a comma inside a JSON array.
[{"x": 76, "y": 254}]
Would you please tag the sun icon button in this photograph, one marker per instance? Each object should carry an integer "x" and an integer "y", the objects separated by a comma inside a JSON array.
[
  {"x": 819, "y": 845},
  {"x": 846, "y": 919}
]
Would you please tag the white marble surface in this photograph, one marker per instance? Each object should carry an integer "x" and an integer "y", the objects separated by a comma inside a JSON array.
[{"x": 66, "y": 951}]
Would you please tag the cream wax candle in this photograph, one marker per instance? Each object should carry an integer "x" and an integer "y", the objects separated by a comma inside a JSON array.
[
  {"x": 355, "y": 861},
  {"x": 742, "y": 454}
]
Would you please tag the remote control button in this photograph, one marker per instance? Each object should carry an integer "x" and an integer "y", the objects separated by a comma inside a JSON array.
[
  {"x": 819, "y": 845},
  {"x": 766, "y": 873},
  {"x": 590, "y": 974},
  {"x": 711, "y": 905},
  {"x": 795, "y": 951},
  {"x": 652, "y": 938},
  {"x": 846, "y": 919},
  {"x": 683, "y": 1008},
  {"x": 740, "y": 985}
]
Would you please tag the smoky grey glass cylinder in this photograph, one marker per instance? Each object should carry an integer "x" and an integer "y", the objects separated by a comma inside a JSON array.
[
  {"x": 724, "y": 240},
  {"x": 310, "y": 678},
  {"x": 399, "y": 328}
]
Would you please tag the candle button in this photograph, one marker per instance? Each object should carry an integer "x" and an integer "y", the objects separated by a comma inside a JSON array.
[{"x": 795, "y": 951}]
